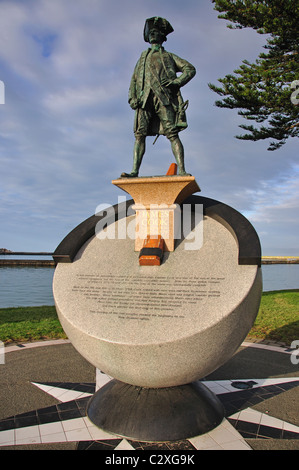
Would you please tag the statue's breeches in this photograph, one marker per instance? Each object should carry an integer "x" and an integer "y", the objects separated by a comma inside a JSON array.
[{"x": 155, "y": 118}]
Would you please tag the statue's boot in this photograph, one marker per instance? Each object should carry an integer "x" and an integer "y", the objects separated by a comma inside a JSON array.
[
  {"x": 129, "y": 175},
  {"x": 139, "y": 151},
  {"x": 178, "y": 152}
]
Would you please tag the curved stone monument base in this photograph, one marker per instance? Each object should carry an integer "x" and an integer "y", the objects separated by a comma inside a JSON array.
[
  {"x": 158, "y": 326},
  {"x": 155, "y": 329},
  {"x": 155, "y": 415}
]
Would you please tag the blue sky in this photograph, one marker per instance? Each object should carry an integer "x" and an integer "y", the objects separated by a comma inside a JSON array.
[{"x": 66, "y": 126}]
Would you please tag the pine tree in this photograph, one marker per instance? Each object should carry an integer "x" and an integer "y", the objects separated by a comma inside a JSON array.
[{"x": 265, "y": 91}]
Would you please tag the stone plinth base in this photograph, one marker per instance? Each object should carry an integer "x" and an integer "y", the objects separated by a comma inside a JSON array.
[
  {"x": 157, "y": 200},
  {"x": 158, "y": 189}
]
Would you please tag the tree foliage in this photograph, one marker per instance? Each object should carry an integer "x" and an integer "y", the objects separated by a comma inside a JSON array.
[{"x": 262, "y": 91}]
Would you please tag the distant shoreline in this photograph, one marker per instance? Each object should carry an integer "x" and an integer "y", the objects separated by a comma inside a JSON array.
[
  {"x": 26, "y": 253},
  {"x": 50, "y": 262},
  {"x": 280, "y": 259},
  {"x": 27, "y": 262}
]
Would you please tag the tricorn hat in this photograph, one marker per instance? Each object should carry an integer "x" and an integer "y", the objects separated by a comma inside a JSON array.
[{"x": 156, "y": 22}]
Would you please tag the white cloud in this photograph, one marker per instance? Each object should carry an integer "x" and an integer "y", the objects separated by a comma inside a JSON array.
[
  {"x": 83, "y": 96},
  {"x": 277, "y": 200}
]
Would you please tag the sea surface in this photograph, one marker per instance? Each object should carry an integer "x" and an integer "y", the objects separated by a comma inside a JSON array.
[{"x": 32, "y": 286}]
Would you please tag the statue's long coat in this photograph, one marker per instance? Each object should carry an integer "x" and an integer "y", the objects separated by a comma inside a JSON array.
[{"x": 141, "y": 86}]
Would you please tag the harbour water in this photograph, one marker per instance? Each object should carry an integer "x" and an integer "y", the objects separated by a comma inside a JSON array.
[
  {"x": 24, "y": 286},
  {"x": 32, "y": 286}
]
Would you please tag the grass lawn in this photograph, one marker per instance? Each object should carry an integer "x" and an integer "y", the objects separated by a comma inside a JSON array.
[
  {"x": 29, "y": 324},
  {"x": 278, "y": 317},
  {"x": 277, "y": 320}
]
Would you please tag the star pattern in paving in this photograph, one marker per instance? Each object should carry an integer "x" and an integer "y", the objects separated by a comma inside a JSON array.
[{"x": 67, "y": 422}]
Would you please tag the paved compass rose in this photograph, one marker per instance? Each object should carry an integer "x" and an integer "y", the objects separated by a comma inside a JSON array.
[
  {"x": 252, "y": 405},
  {"x": 67, "y": 421}
]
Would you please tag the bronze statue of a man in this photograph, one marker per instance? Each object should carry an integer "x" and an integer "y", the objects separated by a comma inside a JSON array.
[{"x": 155, "y": 94}]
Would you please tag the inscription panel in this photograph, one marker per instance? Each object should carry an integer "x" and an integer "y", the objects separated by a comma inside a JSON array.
[{"x": 144, "y": 298}]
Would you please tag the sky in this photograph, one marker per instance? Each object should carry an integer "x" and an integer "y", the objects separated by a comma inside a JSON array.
[{"x": 66, "y": 129}]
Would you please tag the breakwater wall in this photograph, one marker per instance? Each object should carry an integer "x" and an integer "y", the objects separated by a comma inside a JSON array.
[
  {"x": 46, "y": 263},
  {"x": 280, "y": 260},
  {"x": 27, "y": 262}
]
